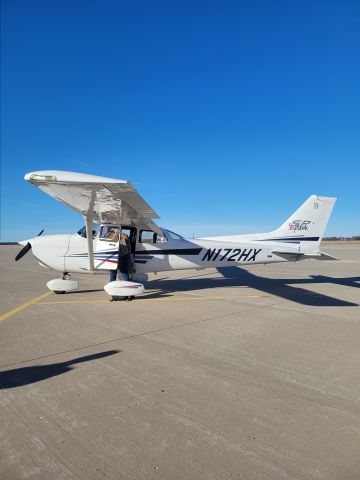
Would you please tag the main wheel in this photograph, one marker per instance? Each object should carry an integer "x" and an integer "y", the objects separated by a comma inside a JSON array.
[
  {"x": 59, "y": 292},
  {"x": 116, "y": 298}
]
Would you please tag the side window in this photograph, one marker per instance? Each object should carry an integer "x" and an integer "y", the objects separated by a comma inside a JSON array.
[
  {"x": 160, "y": 238},
  {"x": 109, "y": 233},
  {"x": 147, "y": 236}
]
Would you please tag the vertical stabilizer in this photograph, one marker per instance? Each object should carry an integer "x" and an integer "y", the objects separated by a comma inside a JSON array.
[{"x": 306, "y": 226}]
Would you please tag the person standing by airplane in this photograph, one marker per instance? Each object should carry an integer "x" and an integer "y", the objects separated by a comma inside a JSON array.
[{"x": 124, "y": 265}]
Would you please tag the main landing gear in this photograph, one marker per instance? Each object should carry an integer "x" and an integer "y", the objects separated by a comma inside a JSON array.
[
  {"x": 123, "y": 290},
  {"x": 116, "y": 299},
  {"x": 63, "y": 284}
]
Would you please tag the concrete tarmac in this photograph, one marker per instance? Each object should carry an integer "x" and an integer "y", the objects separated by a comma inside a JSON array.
[{"x": 250, "y": 374}]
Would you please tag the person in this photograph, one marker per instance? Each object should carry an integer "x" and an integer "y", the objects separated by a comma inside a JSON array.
[
  {"x": 125, "y": 263},
  {"x": 112, "y": 235}
]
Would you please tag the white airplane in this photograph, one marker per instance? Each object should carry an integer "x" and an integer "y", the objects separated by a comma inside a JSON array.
[{"x": 112, "y": 203}]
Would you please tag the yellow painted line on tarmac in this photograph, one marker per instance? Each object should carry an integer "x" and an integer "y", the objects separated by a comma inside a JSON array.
[
  {"x": 160, "y": 299},
  {"x": 36, "y": 300},
  {"x": 23, "y": 306},
  {"x": 73, "y": 301}
]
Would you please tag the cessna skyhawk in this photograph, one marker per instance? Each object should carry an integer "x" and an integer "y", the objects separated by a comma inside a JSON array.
[{"x": 115, "y": 204}]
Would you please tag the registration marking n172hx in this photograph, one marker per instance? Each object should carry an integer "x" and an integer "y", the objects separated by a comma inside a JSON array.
[{"x": 231, "y": 254}]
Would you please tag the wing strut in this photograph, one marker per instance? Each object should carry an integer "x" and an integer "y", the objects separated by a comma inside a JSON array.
[{"x": 89, "y": 236}]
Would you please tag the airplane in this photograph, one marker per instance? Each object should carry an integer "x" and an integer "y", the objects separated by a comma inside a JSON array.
[{"x": 114, "y": 204}]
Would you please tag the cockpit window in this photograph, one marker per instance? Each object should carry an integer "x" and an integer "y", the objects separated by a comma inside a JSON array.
[
  {"x": 82, "y": 232},
  {"x": 109, "y": 233}
]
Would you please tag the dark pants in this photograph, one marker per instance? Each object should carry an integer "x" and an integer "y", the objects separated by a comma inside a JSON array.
[
  {"x": 115, "y": 273},
  {"x": 123, "y": 268}
]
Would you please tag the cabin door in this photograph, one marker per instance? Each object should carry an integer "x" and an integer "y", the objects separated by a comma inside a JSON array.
[{"x": 107, "y": 245}]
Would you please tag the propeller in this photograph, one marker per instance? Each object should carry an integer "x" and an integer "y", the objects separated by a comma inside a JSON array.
[{"x": 26, "y": 248}]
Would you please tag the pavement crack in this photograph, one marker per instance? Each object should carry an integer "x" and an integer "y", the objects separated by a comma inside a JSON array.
[{"x": 141, "y": 334}]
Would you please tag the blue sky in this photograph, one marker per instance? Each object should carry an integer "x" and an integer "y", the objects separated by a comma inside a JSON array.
[{"x": 225, "y": 115}]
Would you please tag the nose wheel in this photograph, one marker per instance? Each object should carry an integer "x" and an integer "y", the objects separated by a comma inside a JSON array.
[{"x": 63, "y": 285}]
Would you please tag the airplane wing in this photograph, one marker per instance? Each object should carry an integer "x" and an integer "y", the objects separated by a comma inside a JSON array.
[{"x": 99, "y": 199}]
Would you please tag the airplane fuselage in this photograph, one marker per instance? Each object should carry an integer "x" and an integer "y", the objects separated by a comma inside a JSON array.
[{"x": 68, "y": 253}]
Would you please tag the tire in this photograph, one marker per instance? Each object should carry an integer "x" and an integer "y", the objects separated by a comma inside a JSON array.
[{"x": 59, "y": 292}]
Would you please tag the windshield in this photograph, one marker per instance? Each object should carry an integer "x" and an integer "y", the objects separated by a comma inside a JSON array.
[{"x": 82, "y": 231}]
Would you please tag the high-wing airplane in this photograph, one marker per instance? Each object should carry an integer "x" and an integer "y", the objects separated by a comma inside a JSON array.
[{"x": 111, "y": 203}]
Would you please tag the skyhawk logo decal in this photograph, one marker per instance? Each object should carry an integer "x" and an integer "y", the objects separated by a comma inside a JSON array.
[{"x": 299, "y": 225}]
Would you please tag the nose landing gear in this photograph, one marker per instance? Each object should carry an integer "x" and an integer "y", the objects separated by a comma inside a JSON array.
[{"x": 63, "y": 284}]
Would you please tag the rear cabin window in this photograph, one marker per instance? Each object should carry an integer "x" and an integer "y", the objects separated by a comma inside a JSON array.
[{"x": 147, "y": 236}]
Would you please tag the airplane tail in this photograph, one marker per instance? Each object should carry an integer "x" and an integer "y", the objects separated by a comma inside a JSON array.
[{"x": 306, "y": 226}]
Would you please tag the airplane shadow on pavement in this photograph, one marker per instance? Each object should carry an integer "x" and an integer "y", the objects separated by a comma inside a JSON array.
[
  {"x": 280, "y": 287},
  {"x": 18, "y": 377}
]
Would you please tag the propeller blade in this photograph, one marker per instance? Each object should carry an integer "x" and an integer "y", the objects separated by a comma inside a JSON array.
[
  {"x": 23, "y": 252},
  {"x": 26, "y": 248}
]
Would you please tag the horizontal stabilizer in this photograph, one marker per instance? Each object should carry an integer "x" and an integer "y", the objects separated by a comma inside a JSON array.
[
  {"x": 293, "y": 256},
  {"x": 290, "y": 256},
  {"x": 320, "y": 256}
]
